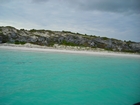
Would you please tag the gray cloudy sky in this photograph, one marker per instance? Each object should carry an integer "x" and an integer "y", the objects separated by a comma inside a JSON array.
[{"x": 111, "y": 18}]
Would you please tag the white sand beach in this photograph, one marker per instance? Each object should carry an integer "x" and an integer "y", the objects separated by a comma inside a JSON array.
[{"x": 51, "y": 49}]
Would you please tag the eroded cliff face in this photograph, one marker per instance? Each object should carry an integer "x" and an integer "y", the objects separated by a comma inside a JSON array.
[{"x": 49, "y": 38}]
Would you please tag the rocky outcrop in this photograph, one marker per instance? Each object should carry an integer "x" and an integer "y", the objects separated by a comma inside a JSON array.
[{"x": 49, "y": 38}]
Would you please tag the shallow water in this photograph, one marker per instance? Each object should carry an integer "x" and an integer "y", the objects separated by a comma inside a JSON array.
[{"x": 46, "y": 78}]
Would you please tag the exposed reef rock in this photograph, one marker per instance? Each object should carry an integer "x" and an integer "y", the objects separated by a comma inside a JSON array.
[{"x": 49, "y": 38}]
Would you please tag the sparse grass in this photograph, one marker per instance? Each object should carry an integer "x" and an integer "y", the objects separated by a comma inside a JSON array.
[
  {"x": 50, "y": 32},
  {"x": 10, "y": 27},
  {"x": 128, "y": 51},
  {"x": 105, "y": 38},
  {"x": 37, "y": 35},
  {"x": 34, "y": 30}
]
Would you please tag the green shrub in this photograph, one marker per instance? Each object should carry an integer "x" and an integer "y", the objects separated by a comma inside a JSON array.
[
  {"x": 129, "y": 51},
  {"x": 51, "y": 43},
  {"x": 32, "y": 30},
  {"x": 105, "y": 38},
  {"x": 68, "y": 43},
  {"x": 19, "y": 42},
  {"x": 67, "y": 31},
  {"x": 22, "y": 29},
  {"x": 10, "y": 27}
]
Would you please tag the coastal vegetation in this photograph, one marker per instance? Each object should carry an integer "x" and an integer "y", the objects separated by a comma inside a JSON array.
[
  {"x": 20, "y": 42},
  {"x": 43, "y": 37}
]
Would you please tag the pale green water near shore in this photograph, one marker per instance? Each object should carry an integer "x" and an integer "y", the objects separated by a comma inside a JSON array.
[{"x": 45, "y": 78}]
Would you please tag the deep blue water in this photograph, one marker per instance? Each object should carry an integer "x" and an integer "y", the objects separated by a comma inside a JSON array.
[{"x": 48, "y": 78}]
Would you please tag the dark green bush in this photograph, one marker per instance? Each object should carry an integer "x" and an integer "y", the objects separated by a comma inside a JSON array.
[
  {"x": 68, "y": 43},
  {"x": 19, "y": 42},
  {"x": 32, "y": 30},
  {"x": 105, "y": 38},
  {"x": 4, "y": 38}
]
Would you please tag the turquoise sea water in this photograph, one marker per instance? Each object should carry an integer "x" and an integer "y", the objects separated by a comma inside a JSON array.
[{"x": 46, "y": 78}]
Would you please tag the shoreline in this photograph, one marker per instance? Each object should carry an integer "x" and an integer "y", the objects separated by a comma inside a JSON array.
[{"x": 52, "y": 49}]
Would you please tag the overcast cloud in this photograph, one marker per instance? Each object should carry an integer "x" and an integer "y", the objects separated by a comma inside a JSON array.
[
  {"x": 117, "y": 6},
  {"x": 111, "y": 18}
]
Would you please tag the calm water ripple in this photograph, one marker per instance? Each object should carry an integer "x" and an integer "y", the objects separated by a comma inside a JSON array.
[{"x": 45, "y": 78}]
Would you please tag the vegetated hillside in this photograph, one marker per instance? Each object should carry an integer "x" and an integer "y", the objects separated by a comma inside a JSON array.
[{"x": 49, "y": 38}]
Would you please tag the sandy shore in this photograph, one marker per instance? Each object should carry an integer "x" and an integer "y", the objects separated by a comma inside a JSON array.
[{"x": 50, "y": 49}]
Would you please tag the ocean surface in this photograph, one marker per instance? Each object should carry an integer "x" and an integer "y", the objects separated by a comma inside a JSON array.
[{"x": 50, "y": 78}]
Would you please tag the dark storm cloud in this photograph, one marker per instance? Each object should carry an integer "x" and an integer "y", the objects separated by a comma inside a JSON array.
[{"x": 118, "y": 6}]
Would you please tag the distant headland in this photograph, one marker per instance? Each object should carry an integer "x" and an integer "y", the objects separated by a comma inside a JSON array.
[{"x": 65, "y": 40}]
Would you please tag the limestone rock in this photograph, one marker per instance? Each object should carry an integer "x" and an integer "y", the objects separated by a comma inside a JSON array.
[{"x": 54, "y": 38}]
